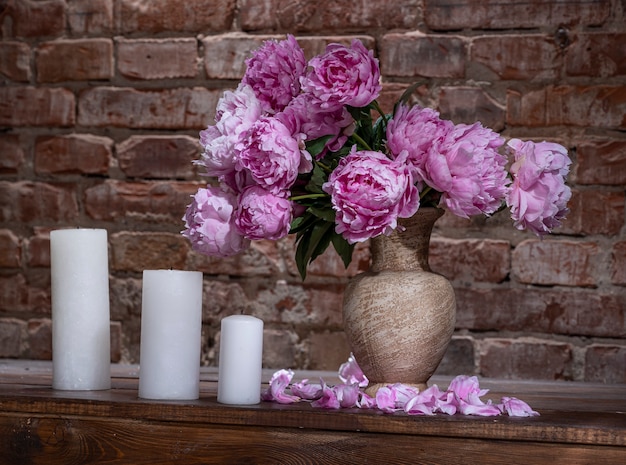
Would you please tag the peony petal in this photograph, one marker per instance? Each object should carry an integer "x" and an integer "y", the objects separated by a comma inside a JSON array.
[
  {"x": 350, "y": 373},
  {"x": 515, "y": 407},
  {"x": 276, "y": 391}
]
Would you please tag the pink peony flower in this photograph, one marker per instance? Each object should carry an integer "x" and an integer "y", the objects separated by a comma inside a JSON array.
[
  {"x": 274, "y": 72},
  {"x": 538, "y": 197},
  {"x": 369, "y": 192},
  {"x": 209, "y": 223},
  {"x": 343, "y": 76},
  {"x": 468, "y": 170},
  {"x": 236, "y": 112},
  {"x": 262, "y": 215},
  {"x": 416, "y": 129},
  {"x": 304, "y": 115},
  {"x": 270, "y": 154}
]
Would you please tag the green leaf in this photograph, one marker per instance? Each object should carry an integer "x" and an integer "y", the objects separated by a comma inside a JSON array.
[
  {"x": 315, "y": 146},
  {"x": 406, "y": 95},
  {"x": 343, "y": 248},
  {"x": 317, "y": 180},
  {"x": 311, "y": 244},
  {"x": 326, "y": 213},
  {"x": 303, "y": 222}
]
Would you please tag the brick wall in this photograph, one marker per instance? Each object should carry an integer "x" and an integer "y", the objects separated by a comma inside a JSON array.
[{"x": 101, "y": 102}]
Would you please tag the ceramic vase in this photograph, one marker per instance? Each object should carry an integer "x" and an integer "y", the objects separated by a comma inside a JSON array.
[{"x": 399, "y": 316}]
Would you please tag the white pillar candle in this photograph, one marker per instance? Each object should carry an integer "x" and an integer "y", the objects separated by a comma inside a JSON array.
[
  {"x": 241, "y": 359},
  {"x": 171, "y": 335},
  {"x": 81, "y": 341}
]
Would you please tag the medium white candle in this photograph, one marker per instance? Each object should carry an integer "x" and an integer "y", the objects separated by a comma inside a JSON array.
[
  {"x": 81, "y": 341},
  {"x": 171, "y": 335},
  {"x": 241, "y": 359}
]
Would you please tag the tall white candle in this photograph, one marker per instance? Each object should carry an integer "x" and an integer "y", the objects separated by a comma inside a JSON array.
[
  {"x": 81, "y": 341},
  {"x": 171, "y": 333},
  {"x": 241, "y": 358}
]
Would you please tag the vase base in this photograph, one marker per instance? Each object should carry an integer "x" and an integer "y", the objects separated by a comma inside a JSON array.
[{"x": 373, "y": 388}]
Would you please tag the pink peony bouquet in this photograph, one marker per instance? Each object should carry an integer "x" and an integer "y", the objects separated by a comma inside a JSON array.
[{"x": 296, "y": 149}]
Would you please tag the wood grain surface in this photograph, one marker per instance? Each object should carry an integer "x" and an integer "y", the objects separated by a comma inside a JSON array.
[{"x": 580, "y": 423}]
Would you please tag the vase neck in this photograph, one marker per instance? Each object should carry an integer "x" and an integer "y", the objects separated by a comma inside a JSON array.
[{"x": 406, "y": 249}]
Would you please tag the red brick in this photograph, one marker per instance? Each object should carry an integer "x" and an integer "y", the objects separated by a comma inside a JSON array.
[
  {"x": 86, "y": 17},
  {"x": 541, "y": 310},
  {"x": 18, "y": 295},
  {"x": 281, "y": 302},
  {"x": 414, "y": 55},
  {"x": 585, "y": 106},
  {"x": 261, "y": 259},
  {"x": 222, "y": 299},
  {"x": 517, "y": 57},
  {"x": 551, "y": 262},
  {"x": 54, "y": 106},
  {"x": 83, "y": 60},
  {"x": 11, "y": 153},
  {"x": 38, "y": 18},
  {"x": 470, "y": 104},
  {"x": 38, "y": 202},
  {"x": 526, "y": 359},
  {"x": 38, "y": 250},
  {"x": 10, "y": 249},
  {"x": 597, "y": 55},
  {"x": 183, "y": 108},
  {"x": 158, "y": 156},
  {"x": 281, "y": 349},
  {"x": 75, "y": 153},
  {"x": 115, "y": 331},
  {"x": 471, "y": 260},
  {"x": 495, "y": 14},
  {"x": 132, "y": 251},
  {"x": 157, "y": 58},
  {"x": 316, "y": 45},
  {"x": 225, "y": 56},
  {"x": 125, "y": 294},
  {"x": 594, "y": 212},
  {"x": 618, "y": 263},
  {"x": 323, "y": 306},
  {"x": 203, "y": 16},
  {"x": 157, "y": 202},
  {"x": 338, "y": 15},
  {"x": 600, "y": 162},
  {"x": 40, "y": 339},
  {"x": 15, "y": 61},
  {"x": 605, "y": 364},
  {"x": 327, "y": 350},
  {"x": 12, "y": 337},
  {"x": 459, "y": 358}
]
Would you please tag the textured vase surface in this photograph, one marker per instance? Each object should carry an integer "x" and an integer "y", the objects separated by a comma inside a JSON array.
[{"x": 399, "y": 316}]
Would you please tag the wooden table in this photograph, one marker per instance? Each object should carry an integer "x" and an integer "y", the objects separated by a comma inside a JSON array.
[{"x": 580, "y": 423}]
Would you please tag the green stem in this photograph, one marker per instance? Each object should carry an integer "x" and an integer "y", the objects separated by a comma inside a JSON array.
[
  {"x": 425, "y": 191},
  {"x": 360, "y": 140},
  {"x": 308, "y": 196},
  {"x": 380, "y": 111}
]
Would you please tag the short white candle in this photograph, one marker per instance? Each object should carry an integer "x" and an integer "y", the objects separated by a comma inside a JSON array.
[
  {"x": 171, "y": 335},
  {"x": 81, "y": 341},
  {"x": 240, "y": 360}
]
